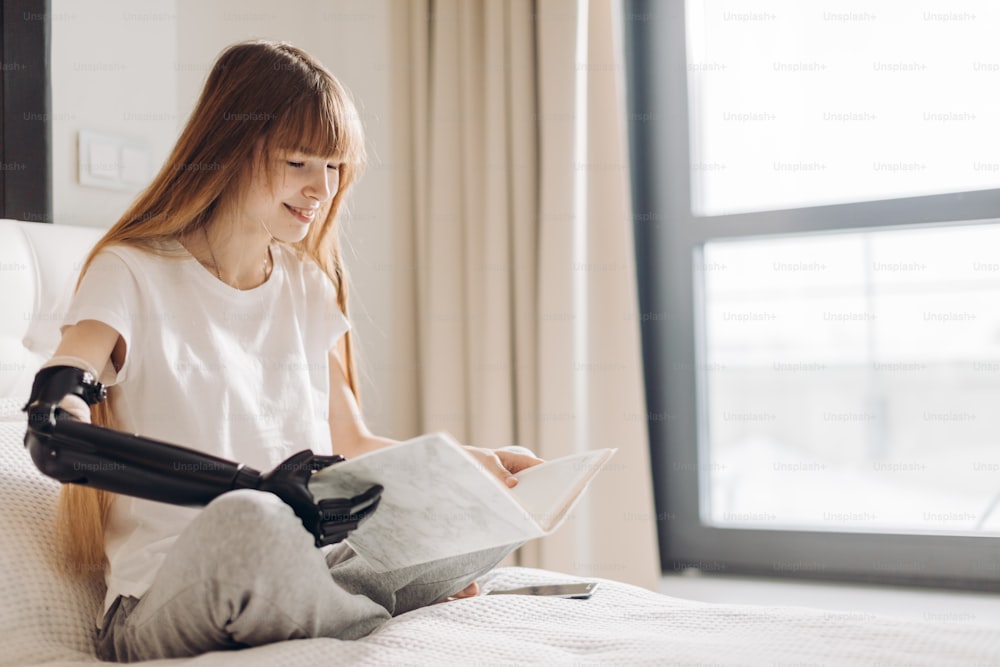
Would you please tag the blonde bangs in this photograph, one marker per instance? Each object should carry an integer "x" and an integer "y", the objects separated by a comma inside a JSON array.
[{"x": 320, "y": 123}]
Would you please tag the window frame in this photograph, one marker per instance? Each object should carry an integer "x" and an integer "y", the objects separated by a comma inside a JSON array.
[{"x": 668, "y": 239}]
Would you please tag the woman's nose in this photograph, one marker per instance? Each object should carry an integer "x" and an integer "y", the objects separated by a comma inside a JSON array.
[{"x": 322, "y": 186}]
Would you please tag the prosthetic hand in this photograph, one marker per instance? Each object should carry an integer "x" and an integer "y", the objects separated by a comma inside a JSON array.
[
  {"x": 329, "y": 519},
  {"x": 75, "y": 452}
]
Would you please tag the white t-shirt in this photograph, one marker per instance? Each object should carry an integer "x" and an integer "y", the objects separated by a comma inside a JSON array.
[{"x": 239, "y": 374}]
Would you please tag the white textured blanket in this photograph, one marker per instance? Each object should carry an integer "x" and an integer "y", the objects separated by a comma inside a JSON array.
[{"x": 46, "y": 619}]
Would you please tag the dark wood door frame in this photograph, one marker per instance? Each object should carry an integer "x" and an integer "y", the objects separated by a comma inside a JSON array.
[{"x": 26, "y": 107}]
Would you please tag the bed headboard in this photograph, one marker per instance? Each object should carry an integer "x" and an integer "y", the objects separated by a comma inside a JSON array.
[{"x": 39, "y": 265}]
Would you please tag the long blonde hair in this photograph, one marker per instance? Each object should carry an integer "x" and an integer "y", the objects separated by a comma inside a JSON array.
[{"x": 260, "y": 98}]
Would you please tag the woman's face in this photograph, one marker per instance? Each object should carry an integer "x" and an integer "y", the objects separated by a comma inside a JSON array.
[{"x": 302, "y": 185}]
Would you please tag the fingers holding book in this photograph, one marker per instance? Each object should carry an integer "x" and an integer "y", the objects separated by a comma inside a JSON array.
[{"x": 503, "y": 463}]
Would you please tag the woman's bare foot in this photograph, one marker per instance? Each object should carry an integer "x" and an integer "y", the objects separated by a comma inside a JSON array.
[{"x": 470, "y": 591}]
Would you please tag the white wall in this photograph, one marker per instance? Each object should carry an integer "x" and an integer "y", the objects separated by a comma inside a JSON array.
[
  {"x": 113, "y": 71},
  {"x": 150, "y": 58}
]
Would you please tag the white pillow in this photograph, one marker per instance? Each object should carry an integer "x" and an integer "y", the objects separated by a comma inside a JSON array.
[
  {"x": 10, "y": 409},
  {"x": 44, "y": 615}
]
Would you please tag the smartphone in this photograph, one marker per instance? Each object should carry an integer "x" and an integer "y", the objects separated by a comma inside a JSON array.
[{"x": 580, "y": 591}]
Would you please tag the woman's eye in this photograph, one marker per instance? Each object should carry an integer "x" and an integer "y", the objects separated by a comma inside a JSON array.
[
  {"x": 297, "y": 165},
  {"x": 334, "y": 167}
]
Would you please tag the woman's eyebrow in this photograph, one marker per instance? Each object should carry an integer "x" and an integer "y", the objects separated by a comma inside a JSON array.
[{"x": 306, "y": 152}]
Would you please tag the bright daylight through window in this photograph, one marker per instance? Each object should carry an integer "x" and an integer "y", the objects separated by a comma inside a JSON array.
[
  {"x": 838, "y": 103},
  {"x": 856, "y": 372}
]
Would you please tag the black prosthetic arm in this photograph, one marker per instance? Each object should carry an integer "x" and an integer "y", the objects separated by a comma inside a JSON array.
[{"x": 71, "y": 451}]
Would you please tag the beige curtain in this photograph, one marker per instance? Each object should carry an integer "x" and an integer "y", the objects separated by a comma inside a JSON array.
[{"x": 517, "y": 204}]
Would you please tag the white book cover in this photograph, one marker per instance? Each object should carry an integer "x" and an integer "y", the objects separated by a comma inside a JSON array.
[{"x": 438, "y": 501}]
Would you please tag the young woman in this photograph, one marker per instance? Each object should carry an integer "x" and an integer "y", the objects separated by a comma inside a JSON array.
[{"x": 216, "y": 310}]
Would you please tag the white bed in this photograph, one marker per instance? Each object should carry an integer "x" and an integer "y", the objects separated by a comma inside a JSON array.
[{"x": 46, "y": 618}]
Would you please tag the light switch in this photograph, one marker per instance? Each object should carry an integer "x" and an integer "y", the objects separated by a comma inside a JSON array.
[
  {"x": 112, "y": 162},
  {"x": 134, "y": 165},
  {"x": 103, "y": 162}
]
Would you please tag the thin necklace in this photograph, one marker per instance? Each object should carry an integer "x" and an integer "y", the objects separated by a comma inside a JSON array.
[{"x": 215, "y": 263}]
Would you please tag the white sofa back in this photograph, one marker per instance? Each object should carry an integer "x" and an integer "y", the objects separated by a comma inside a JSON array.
[
  {"x": 39, "y": 265},
  {"x": 44, "y": 614}
]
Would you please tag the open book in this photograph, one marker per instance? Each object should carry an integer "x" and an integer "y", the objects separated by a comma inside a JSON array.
[{"x": 438, "y": 501}]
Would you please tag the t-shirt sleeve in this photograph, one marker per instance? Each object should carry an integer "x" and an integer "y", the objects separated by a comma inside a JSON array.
[
  {"x": 334, "y": 321},
  {"x": 322, "y": 292},
  {"x": 108, "y": 293}
]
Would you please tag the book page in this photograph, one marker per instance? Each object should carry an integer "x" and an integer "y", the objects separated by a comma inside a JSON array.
[
  {"x": 548, "y": 491},
  {"x": 437, "y": 502}
]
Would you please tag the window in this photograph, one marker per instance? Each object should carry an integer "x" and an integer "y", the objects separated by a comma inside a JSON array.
[
  {"x": 817, "y": 195},
  {"x": 856, "y": 373},
  {"x": 796, "y": 104}
]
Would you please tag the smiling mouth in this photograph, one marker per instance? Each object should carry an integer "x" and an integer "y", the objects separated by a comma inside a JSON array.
[{"x": 302, "y": 214}]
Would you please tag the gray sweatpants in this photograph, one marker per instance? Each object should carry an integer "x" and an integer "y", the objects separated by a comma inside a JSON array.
[{"x": 246, "y": 573}]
